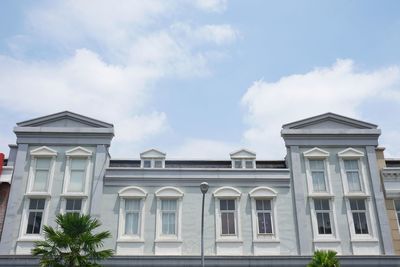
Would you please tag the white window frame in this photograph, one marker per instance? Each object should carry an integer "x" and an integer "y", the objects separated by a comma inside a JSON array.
[
  {"x": 169, "y": 192},
  {"x": 264, "y": 193},
  {"x": 23, "y": 236},
  {"x": 131, "y": 192},
  {"x": 83, "y": 153},
  {"x": 334, "y": 236},
  {"x": 371, "y": 222},
  {"x": 41, "y": 152},
  {"x": 232, "y": 193},
  {"x": 397, "y": 212},
  {"x": 353, "y": 154},
  {"x": 243, "y": 161},
  {"x": 84, "y": 207},
  {"x": 317, "y": 154},
  {"x": 152, "y": 163}
]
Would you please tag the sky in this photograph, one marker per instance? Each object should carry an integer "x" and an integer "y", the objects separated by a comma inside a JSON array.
[{"x": 201, "y": 78}]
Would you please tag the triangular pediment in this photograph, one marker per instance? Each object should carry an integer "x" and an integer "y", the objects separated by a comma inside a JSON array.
[
  {"x": 316, "y": 153},
  {"x": 78, "y": 151},
  {"x": 152, "y": 153},
  {"x": 43, "y": 151},
  {"x": 329, "y": 121},
  {"x": 351, "y": 153},
  {"x": 64, "y": 119},
  {"x": 243, "y": 153}
]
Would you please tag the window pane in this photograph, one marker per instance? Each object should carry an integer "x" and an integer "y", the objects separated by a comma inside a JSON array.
[
  {"x": 351, "y": 165},
  {"x": 353, "y": 180},
  {"x": 264, "y": 223},
  {"x": 397, "y": 204},
  {"x": 264, "y": 204},
  {"x": 228, "y": 223},
  {"x": 34, "y": 222},
  {"x": 327, "y": 223},
  {"x": 76, "y": 183},
  {"x": 249, "y": 164},
  {"x": 168, "y": 204},
  {"x": 78, "y": 164},
  {"x": 36, "y": 204},
  {"x": 357, "y": 204},
  {"x": 317, "y": 165},
  {"x": 227, "y": 204},
  {"x": 40, "y": 180},
  {"x": 238, "y": 164},
  {"x": 158, "y": 164},
  {"x": 73, "y": 205},
  {"x": 318, "y": 179},
  {"x": 168, "y": 223},
  {"x": 363, "y": 223},
  {"x": 147, "y": 164},
  {"x": 131, "y": 223},
  {"x": 321, "y": 204},
  {"x": 132, "y": 204}
]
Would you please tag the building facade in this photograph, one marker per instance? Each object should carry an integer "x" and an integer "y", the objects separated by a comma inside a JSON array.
[{"x": 326, "y": 194}]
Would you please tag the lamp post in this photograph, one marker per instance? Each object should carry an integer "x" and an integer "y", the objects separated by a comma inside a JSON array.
[{"x": 203, "y": 189}]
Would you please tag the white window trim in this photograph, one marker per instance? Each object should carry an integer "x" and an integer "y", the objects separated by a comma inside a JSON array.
[
  {"x": 41, "y": 152},
  {"x": 353, "y": 154},
  {"x": 243, "y": 160},
  {"x": 371, "y": 222},
  {"x": 169, "y": 192},
  {"x": 317, "y": 154},
  {"x": 131, "y": 192},
  {"x": 334, "y": 237},
  {"x": 227, "y": 192},
  {"x": 152, "y": 163},
  {"x": 395, "y": 211},
  {"x": 77, "y": 152},
  {"x": 23, "y": 236},
  {"x": 264, "y": 193},
  {"x": 84, "y": 207}
]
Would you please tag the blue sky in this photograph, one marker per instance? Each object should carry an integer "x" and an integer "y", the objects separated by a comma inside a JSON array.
[{"x": 201, "y": 78}]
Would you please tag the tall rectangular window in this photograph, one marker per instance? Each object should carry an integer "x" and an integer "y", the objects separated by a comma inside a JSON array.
[
  {"x": 317, "y": 168},
  {"x": 42, "y": 170},
  {"x": 35, "y": 216},
  {"x": 322, "y": 212},
  {"x": 359, "y": 212},
  {"x": 264, "y": 216},
  {"x": 168, "y": 216},
  {"x": 77, "y": 175},
  {"x": 73, "y": 205},
  {"x": 397, "y": 207},
  {"x": 352, "y": 174},
  {"x": 228, "y": 220},
  {"x": 132, "y": 216}
]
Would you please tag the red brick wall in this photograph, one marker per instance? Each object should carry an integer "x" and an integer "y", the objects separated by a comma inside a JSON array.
[{"x": 4, "y": 192}]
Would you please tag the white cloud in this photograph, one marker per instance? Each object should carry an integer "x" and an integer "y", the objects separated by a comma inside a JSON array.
[
  {"x": 340, "y": 88},
  {"x": 195, "y": 148},
  {"x": 212, "y": 5}
]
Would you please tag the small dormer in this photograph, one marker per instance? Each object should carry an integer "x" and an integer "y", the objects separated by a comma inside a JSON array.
[
  {"x": 152, "y": 159},
  {"x": 243, "y": 159}
]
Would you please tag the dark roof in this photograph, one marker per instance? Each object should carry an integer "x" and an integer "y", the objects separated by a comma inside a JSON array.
[
  {"x": 392, "y": 162},
  {"x": 260, "y": 164}
]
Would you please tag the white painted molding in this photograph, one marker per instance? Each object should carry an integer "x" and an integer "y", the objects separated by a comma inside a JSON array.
[
  {"x": 350, "y": 153},
  {"x": 132, "y": 192},
  {"x": 79, "y": 152},
  {"x": 243, "y": 153},
  {"x": 169, "y": 191},
  {"x": 316, "y": 153},
  {"x": 263, "y": 191},
  {"x": 152, "y": 154},
  {"x": 227, "y": 191},
  {"x": 43, "y": 151}
]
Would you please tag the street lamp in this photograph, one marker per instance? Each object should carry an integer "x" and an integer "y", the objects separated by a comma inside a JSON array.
[{"x": 203, "y": 189}]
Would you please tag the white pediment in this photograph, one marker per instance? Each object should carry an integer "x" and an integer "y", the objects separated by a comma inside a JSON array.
[
  {"x": 65, "y": 119},
  {"x": 351, "y": 153},
  {"x": 152, "y": 153},
  {"x": 262, "y": 191},
  {"x": 316, "y": 153},
  {"x": 43, "y": 151},
  {"x": 78, "y": 151},
  {"x": 132, "y": 192},
  {"x": 227, "y": 191},
  {"x": 329, "y": 121},
  {"x": 243, "y": 153},
  {"x": 169, "y": 192}
]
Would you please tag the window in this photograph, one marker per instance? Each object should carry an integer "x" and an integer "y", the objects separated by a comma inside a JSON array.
[
  {"x": 359, "y": 213},
  {"x": 317, "y": 168},
  {"x": 73, "y": 206},
  {"x": 228, "y": 211},
  {"x": 238, "y": 164},
  {"x": 353, "y": 175},
  {"x": 397, "y": 208},
  {"x": 323, "y": 215},
  {"x": 35, "y": 216},
  {"x": 152, "y": 163},
  {"x": 264, "y": 216},
  {"x": 147, "y": 164},
  {"x": 41, "y": 177},
  {"x": 132, "y": 216},
  {"x": 158, "y": 164},
  {"x": 249, "y": 164},
  {"x": 168, "y": 216},
  {"x": 242, "y": 163},
  {"x": 77, "y": 175}
]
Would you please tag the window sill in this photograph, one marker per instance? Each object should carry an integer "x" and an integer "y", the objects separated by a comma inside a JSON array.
[
  {"x": 38, "y": 194},
  {"x": 272, "y": 240},
  {"x": 357, "y": 195},
  {"x": 321, "y": 195},
  {"x": 130, "y": 240},
  {"x": 327, "y": 240},
  {"x": 222, "y": 240},
  {"x": 70, "y": 194},
  {"x": 30, "y": 238},
  {"x": 364, "y": 240},
  {"x": 161, "y": 240}
]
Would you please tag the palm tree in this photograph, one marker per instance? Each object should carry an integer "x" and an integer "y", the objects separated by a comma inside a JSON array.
[
  {"x": 72, "y": 243},
  {"x": 324, "y": 258}
]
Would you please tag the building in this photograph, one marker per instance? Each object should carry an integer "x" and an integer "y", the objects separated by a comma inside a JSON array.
[{"x": 326, "y": 194}]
